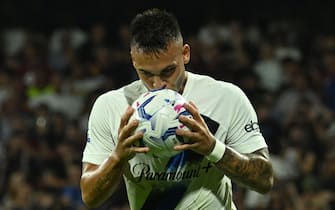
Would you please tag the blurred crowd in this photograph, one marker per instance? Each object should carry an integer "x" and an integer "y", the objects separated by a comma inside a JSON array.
[{"x": 48, "y": 82}]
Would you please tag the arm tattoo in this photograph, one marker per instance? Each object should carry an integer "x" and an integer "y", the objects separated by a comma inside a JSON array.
[
  {"x": 105, "y": 185},
  {"x": 252, "y": 170},
  {"x": 102, "y": 186}
]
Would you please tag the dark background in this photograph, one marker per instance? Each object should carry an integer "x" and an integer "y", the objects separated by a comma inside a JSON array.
[
  {"x": 41, "y": 15},
  {"x": 40, "y": 164}
]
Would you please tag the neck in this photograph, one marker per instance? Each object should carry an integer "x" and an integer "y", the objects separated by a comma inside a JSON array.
[{"x": 182, "y": 87}]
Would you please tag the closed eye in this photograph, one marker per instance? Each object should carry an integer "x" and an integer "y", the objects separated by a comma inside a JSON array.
[
  {"x": 168, "y": 72},
  {"x": 165, "y": 73},
  {"x": 146, "y": 73}
]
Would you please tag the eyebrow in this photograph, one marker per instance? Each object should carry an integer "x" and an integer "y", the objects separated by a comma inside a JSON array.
[{"x": 160, "y": 72}]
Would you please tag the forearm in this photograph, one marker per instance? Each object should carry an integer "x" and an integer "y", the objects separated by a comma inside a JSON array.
[
  {"x": 252, "y": 170},
  {"x": 99, "y": 184}
]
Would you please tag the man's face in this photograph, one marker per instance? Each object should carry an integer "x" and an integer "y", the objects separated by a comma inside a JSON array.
[{"x": 163, "y": 70}]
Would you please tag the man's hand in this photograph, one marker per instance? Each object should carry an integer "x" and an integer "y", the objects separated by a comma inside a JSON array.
[
  {"x": 201, "y": 140},
  {"x": 125, "y": 148}
]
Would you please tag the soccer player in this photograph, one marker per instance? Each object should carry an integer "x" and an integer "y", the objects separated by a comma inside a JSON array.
[{"x": 225, "y": 140}]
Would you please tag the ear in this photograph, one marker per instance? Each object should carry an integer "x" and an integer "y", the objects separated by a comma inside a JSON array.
[
  {"x": 186, "y": 53},
  {"x": 132, "y": 58}
]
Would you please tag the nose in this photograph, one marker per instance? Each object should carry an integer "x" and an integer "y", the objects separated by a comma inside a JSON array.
[{"x": 158, "y": 83}]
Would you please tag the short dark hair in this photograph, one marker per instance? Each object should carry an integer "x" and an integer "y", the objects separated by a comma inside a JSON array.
[{"x": 153, "y": 30}]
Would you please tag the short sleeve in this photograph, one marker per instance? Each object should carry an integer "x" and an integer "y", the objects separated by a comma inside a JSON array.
[
  {"x": 243, "y": 133},
  {"x": 100, "y": 142}
]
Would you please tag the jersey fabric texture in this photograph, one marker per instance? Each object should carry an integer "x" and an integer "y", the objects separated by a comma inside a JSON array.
[{"x": 187, "y": 180}]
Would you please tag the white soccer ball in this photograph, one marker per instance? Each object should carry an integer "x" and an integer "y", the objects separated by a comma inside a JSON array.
[{"x": 158, "y": 112}]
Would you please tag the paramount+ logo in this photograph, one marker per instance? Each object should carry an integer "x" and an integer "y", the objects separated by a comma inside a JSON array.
[{"x": 251, "y": 126}]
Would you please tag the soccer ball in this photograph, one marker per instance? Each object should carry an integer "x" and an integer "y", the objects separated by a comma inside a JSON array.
[{"x": 158, "y": 112}]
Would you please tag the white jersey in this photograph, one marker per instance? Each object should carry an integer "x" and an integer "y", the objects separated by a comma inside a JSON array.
[{"x": 187, "y": 180}]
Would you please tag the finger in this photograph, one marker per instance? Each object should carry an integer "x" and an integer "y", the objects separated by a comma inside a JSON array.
[
  {"x": 193, "y": 105},
  {"x": 132, "y": 151},
  {"x": 132, "y": 140},
  {"x": 182, "y": 131},
  {"x": 125, "y": 117},
  {"x": 193, "y": 110},
  {"x": 140, "y": 149},
  {"x": 182, "y": 147},
  {"x": 128, "y": 129},
  {"x": 189, "y": 122},
  {"x": 189, "y": 135}
]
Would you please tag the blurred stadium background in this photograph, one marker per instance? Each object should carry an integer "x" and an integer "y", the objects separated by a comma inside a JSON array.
[{"x": 56, "y": 57}]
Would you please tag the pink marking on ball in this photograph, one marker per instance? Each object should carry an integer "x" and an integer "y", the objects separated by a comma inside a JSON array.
[{"x": 178, "y": 107}]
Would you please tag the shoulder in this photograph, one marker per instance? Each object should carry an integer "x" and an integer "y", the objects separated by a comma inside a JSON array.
[
  {"x": 107, "y": 105},
  {"x": 116, "y": 101},
  {"x": 205, "y": 83},
  {"x": 110, "y": 97},
  {"x": 122, "y": 95}
]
